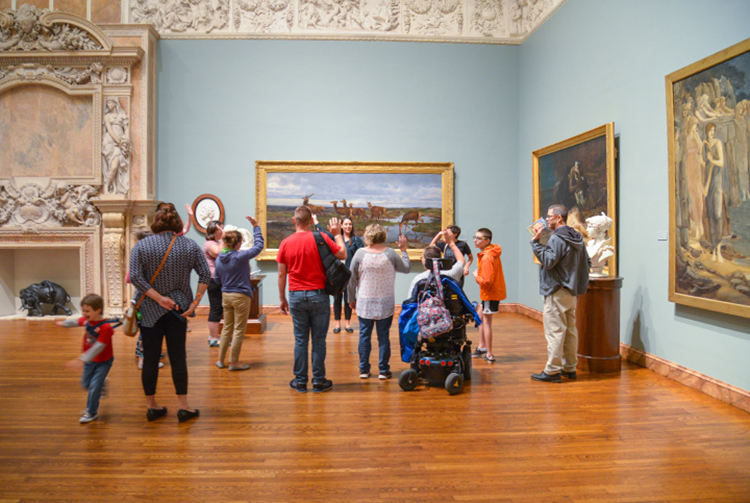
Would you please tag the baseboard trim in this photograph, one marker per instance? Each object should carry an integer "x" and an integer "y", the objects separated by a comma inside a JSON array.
[
  {"x": 712, "y": 387},
  {"x": 695, "y": 380},
  {"x": 521, "y": 309}
]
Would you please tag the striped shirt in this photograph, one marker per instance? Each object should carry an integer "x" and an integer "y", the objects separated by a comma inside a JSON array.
[{"x": 173, "y": 280}]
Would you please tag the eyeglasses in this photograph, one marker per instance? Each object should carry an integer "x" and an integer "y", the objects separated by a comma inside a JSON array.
[{"x": 479, "y": 238}]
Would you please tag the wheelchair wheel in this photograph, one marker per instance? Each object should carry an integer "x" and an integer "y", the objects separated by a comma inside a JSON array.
[
  {"x": 466, "y": 357},
  {"x": 454, "y": 383},
  {"x": 408, "y": 379}
]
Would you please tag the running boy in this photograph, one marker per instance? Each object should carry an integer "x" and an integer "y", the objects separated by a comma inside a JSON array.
[
  {"x": 97, "y": 354},
  {"x": 489, "y": 275}
]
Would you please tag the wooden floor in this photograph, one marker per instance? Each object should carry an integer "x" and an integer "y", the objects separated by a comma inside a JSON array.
[{"x": 633, "y": 437}]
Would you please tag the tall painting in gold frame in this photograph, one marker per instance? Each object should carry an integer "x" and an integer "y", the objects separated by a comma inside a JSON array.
[
  {"x": 579, "y": 173},
  {"x": 414, "y": 199},
  {"x": 708, "y": 120}
]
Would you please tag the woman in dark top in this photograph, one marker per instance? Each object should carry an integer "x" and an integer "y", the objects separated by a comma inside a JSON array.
[
  {"x": 168, "y": 300},
  {"x": 353, "y": 243}
]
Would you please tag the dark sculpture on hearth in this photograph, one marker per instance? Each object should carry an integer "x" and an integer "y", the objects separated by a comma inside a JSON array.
[{"x": 45, "y": 292}]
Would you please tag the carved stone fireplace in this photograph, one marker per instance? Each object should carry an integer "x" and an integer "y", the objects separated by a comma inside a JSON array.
[{"x": 77, "y": 181}]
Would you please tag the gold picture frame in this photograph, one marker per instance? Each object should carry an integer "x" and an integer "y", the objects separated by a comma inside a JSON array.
[
  {"x": 579, "y": 173},
  {"x": 415, "y": 197},
  {"x": 708, "y": 122}
]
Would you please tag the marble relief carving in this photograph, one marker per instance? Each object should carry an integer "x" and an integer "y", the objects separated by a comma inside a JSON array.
[
  {"x": 116, "y": 148},
  {"x": 21, "y": 30},
  {"x": 33, "y": 207},
  {"x": 487, "y": 18},
  {"x": 493, "y": 21},
  {"x": 264, "y": 16},
  {"x": 434, "y": 17},
  {"x": 117, "y": 75},
  {"x": 113, "y": 255},
  {"x": 179, "y": 16},
  {"x": 346, "y": 15},
  {"x": 73, "y": 76}
]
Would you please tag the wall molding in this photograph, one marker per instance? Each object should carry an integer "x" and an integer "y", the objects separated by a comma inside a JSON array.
[{"x": 455, "y": 21}]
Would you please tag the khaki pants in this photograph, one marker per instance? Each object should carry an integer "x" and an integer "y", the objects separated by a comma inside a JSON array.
[
  {"x": 236, "y": 310},
  {"x": 560, "y": 331}
]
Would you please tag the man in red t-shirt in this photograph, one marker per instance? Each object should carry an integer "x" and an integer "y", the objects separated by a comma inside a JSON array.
[{"x": 299, "y": 259}]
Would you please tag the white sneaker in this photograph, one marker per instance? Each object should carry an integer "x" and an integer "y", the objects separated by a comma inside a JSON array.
[
  {"x": 364, "y": 375},
  {"x": 87, "y": 417}
]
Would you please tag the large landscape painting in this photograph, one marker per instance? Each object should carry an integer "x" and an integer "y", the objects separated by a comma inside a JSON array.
[
  {"x": 708, "y": 106},
  {"x": 413, "y": 199}
]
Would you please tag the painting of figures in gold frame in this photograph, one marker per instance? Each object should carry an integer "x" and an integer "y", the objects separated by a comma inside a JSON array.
[
  {"x": 708, "y": 120},
  {"x": 579, "y": 173},
  {"x": 413, "y": 199}
]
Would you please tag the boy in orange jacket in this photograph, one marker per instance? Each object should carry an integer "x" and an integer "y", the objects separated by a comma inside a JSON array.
[{"x": 489, "y": 275}]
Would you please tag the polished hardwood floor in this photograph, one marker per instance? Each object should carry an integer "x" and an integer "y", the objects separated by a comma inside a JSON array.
[{"x": 632, "y": 437}]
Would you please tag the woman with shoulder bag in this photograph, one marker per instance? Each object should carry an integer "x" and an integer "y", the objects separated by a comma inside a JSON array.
[{"x": 168, "y": 300}]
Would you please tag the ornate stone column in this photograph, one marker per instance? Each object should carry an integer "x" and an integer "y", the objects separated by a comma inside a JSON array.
[{"x": 113, "y": 254}]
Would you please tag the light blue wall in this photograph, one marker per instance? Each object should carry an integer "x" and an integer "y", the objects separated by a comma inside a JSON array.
[
  {"x": 223, "y": 105},
  {"x": 595, "y": 62}
]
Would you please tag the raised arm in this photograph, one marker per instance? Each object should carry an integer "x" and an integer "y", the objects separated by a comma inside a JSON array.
[{"x": 188, "y": 221}]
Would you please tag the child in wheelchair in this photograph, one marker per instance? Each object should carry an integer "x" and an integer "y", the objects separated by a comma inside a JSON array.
[{"x": 435, "y": 351}]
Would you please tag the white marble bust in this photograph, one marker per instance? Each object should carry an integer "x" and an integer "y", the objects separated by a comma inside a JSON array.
[{"x": 598, "y": 246}]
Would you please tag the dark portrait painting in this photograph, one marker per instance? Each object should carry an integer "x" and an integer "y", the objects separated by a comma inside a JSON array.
[
  {"x": 579, "y": 174},
  {"x": 708, "y": 105}
]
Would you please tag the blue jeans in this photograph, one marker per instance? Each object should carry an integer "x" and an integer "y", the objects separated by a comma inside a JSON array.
[
  {"x": 92, "y": 379},
  {"x": 311, "y": 313},
  {"x": 365, "y": 343}
]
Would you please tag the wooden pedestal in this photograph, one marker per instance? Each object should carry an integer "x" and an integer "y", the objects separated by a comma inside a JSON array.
[
  {"x": 256, "y": 320},
  {"x": 598, "y": 322}
]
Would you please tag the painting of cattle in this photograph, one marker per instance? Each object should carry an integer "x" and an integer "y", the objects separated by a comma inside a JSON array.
[{"x": 413, "y": 199}]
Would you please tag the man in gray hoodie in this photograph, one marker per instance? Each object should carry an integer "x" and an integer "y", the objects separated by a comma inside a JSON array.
[{"x": 563, "y": 276}]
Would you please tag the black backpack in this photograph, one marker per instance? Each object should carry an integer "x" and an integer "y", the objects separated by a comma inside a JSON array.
[{"x": 337, "y": 274}]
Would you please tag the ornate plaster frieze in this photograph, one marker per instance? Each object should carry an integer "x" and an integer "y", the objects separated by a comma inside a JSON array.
[
  {"x": 73, "y": 76},
  {"x": 34, "y": 207},
  {"x": 473, "y": 21},
  {"x": 32, "y": 29}
]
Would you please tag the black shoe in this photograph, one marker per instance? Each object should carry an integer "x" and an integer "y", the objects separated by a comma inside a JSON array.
[
  {"x": 349, "y": 330},
  {"x": 385, "y": 374},
  {"x": 545, "y": 377},
  {"x": 186, "y": 415},
  {"x": 298, "y": 386},
  {"x": 321, "y": 387},
  {"x": 570, "y": 375},
  {"x": 154, "y": 414}
]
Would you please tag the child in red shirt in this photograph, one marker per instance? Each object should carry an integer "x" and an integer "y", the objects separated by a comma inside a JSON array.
[{"x": 97, "y": 354}]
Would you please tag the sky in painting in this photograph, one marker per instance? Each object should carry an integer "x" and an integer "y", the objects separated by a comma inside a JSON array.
[{"x": 391, "y": 190}]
